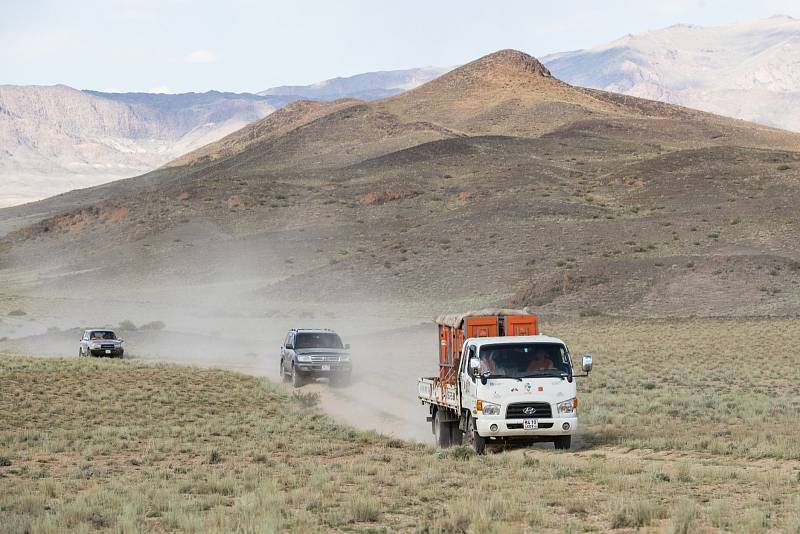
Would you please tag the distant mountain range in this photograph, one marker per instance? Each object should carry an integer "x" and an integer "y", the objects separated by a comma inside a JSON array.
[
  {"x": 53, "y": 139},
  {"x": 749, "y": 70},
  {"x": 56, "y": 138},
  {"x": 368, "y": 86}
]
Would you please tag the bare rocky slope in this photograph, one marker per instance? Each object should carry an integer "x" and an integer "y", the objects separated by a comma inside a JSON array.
[
  {"x": 749, "y": 70},
  {"x": 495, "y": 183},
  {"x": 57, "y": 138}
]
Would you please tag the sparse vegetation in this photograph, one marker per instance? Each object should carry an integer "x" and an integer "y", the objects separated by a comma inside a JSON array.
[
  {"x": 661, "y": 448},
  {"x": 305, "y": 399},
  {"x": 17, "y": 313},
  {"x": 153, "y": 325},
  {"x": 127, "y": 326}
]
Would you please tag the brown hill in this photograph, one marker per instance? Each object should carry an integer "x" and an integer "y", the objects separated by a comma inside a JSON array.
[
  {"x": 494, "y": 182},
  {"x": 505, "y": 93}
]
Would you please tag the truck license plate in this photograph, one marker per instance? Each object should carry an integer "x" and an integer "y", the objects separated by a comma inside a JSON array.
[
  {"x": 108, "y": 351},
  {"x": 530, "y": 424},
  {"x": 326, "y": 367}
]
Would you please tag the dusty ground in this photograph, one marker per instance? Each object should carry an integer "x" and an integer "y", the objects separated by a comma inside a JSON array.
[{"x": 127, "y": 446}]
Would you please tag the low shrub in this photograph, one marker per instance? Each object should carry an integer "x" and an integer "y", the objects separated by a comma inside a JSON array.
[{"x": 306, "y": 400}]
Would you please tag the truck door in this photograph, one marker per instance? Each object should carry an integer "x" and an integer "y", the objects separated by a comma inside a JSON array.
[{"x": 469, "y": 386}]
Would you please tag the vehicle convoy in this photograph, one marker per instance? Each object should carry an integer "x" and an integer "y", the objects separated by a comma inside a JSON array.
[
  {"x": 308, "y": 354},
  {"x": 501, "y": 381},
  {"x": 101, "y": 342}
]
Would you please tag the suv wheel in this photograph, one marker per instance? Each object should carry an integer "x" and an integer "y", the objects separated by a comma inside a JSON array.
[
  {"x": 284, "y": 377},
  {"x": 297, "y": 379},
  {"x": 340, "y": 381},
  {"x": 80, "y": 353}
]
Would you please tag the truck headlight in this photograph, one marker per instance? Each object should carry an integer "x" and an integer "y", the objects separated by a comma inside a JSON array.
[
  {"x": 94, "y": 345},
  {"x": 568, "y": 406},
  {"x": 344, "y": 357},
  {"x": 490, "y": 408},
  {"x": 303, "y": 358}
]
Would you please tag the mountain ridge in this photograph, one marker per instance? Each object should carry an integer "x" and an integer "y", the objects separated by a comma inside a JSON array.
[
  {"x": 493, "y": 178},
  {"x": 746, "y": 70},
  {"x": 118, "y": 135}
]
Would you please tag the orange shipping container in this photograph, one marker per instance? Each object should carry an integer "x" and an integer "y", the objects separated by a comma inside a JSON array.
[{"x": 454, "y": 329}]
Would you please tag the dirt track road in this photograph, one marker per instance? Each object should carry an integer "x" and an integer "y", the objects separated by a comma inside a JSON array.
[{"x": 383, "y": 393}]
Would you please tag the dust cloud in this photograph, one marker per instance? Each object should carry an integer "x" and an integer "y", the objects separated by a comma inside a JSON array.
[{"x": 229, "y": 319}]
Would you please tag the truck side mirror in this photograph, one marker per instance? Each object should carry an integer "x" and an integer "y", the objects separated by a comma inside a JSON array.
[
  {"x": 474, "y": 366},
  {"x": 587, "y": 363},
  {"x": 289, "y": 346}
]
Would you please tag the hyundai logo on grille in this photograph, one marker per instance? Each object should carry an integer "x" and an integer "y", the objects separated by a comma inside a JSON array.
[{"x": 529, "y": 410}]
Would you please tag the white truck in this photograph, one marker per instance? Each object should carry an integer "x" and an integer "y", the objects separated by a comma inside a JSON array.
[{"x": 497, "y": 386}]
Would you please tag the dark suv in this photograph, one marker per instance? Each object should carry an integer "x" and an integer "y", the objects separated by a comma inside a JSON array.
[{"x": 307, "y": 354}]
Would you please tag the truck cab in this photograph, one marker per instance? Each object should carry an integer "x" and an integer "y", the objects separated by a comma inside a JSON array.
[
  {"x": 495, "y": 389},
  {"x": 519, "y": 388}
]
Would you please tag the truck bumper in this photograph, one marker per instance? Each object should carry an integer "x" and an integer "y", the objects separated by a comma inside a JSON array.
[{"x": 514, "y": 427}]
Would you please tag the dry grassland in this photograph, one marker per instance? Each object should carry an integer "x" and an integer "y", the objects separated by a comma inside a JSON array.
[{"x": 689, "y": 426}]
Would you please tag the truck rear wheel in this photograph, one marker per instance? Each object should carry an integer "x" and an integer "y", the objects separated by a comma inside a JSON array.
[
  {"x": 456, "y": 436},
  {"x": 477, "y": 442},
  {"x": 562, "y": 442},
  {"x": 441, "y": 431}
]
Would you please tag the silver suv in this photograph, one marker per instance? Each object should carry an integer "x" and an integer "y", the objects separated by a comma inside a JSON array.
[
  {"x": 307, "y": 354},
  {"x": 100, "y": 342}
]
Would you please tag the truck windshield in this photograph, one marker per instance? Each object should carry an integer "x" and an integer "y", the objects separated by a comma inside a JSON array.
[
  {"x": 321, "y": 340},
  {"x": 523, "y": 360}
]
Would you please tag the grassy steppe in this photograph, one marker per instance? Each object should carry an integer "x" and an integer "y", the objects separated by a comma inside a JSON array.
[{"x": 689, "y": 426}]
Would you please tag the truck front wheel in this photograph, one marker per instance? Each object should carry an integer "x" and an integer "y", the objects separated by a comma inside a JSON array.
[
  {"x": 477, "y": 442},
  {"x": 562, "y": 442},
  {"x": 441, "y": 431}
]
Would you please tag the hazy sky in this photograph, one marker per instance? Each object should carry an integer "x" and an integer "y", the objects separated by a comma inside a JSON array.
[{"x": 250, "y": 45}]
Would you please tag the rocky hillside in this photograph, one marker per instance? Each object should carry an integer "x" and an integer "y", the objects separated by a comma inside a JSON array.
[
  {"x": 749, "y": 70},
  {"x": 58, "y": 138},
  {"x": 55, "y": 139},
  {"x": 495, "y": 183}
]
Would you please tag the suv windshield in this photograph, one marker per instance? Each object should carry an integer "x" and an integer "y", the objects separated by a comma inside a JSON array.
[
  {"x": 522, "y": 360},
  {"x": 102, "y": 334},
  {"x": 321, "y": 340}
]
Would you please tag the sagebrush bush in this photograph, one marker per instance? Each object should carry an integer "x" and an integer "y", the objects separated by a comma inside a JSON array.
[{"x": 307, "y": 400}]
